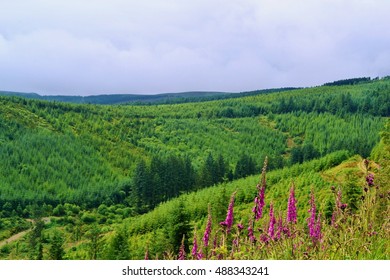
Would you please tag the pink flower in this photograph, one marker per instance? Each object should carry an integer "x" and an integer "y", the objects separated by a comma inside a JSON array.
[
  {"x": 194, "y": 251},
  {"x": 280, "y": 228},
  {"x": 370, "y": 179},
  {"x": 259, "y": 204},
  {"x": 264, "y": 238},
  {"x": 229, "y": 215},
  {"x": 251, "y": 235},
  {"x": 313, "y": 222},
  {"x": 182, "y": 251},
  {"x": 259, "y": 199},
  {"x": 292, "y": 207},
  {"x": 206, "y": 236},
  {"x": 272, "y": 222},
  {"x": 318, "y": 234}
]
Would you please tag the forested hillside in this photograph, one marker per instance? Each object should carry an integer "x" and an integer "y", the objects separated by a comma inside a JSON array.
[
  {"x": 93, "y": 165},
  {"x": 143, "y": 99}
]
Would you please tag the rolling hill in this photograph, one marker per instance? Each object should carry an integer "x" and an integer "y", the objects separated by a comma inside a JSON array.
[{"x": 92, "y": 166}]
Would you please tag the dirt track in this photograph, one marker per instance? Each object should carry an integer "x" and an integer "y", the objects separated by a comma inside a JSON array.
[{"x": 19, "y": 235}]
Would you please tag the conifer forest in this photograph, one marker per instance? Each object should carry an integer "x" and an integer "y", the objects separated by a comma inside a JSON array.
[{"x": 286, "y": 174}]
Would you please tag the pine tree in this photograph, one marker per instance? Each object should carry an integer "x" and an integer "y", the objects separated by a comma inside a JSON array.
[
  {"x": 207, "y": 174},
  {"x": 94, "y": 235},
  {"x": 221, "y": 168},
  {"x": 56, "y": 251},
  {"x": 353, "y": 192},
  {"x": 143, "y": 187},
  {"x": 119, "y": 247},
  {"x": 179, "y": 226}
]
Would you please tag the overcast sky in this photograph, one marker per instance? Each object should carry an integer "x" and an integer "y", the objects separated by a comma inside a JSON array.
[{"x": 151, "y": 46}]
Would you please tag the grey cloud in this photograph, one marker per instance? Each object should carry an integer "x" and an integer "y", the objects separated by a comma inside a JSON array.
[{"x": 118, "y": 46}]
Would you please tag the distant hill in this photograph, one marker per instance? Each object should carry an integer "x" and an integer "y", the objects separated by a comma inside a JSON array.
[
  {"x": 20, "y": 94},
  {"x": 144, "y": 99},
  {"x": 171, "y": 98}
]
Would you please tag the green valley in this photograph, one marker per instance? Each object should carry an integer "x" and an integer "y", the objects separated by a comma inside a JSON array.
[{"x": 88, "y": 181}]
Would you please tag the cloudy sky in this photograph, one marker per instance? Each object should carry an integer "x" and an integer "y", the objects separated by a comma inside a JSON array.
[{"x": 88, "y": 47}]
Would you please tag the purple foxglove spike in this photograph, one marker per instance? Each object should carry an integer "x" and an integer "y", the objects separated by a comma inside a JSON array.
[{"x": 292, "y": 207}]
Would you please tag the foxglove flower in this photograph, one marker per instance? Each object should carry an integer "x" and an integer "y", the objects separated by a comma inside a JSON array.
[
  {"x": 199, "y": 255},
  {"x": 194, "y": 251},
  {"x": 259, "y": 204},
  {"x": 182, "y": 251},
  {"x": 229, "y": 215},
  {"x": 206, "y": 236},
  {"x": 292, "y": 207},
  {"x": 318, "y": 234},
  {"x": 313, "y": 222},
  {"x": 272, "y": 222},
  {"x": 264, "y": 238},
  {"x": 279, "y": 228},
  {"x": 259, "y": 199},
  {"x": 251, "y": 235}
]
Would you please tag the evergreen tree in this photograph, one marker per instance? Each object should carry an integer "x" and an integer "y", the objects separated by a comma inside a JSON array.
[
  {"x": 245, "y": 166},
  {"x": 143, "y": 187},
  {"x": 353, "y": 192},
  {"x": 179, "y": 225},
  {"x": 207, "y": 173},
  {"x": 40, "y": 251},
  {"x": 56, "y": 250},
  {"x": 119, "y": 247},
  {"x": 94, "y": 235},
  {"x": 221, "y": 168},
  {"x": 296, "y": 155},
  {"x": 189, "y": 174}
]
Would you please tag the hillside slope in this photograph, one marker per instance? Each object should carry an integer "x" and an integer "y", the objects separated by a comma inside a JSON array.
[
  {"x": 98, "y": 169},
  {"x": 54, "y": 153}
]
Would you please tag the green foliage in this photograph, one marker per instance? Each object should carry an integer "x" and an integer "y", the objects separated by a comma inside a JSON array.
[
  {"x": 179, "y": 226},
  {"x": 102, "y": 169},
  {"x": 57, "y": 153},
  {"x": 56, "y": 250},
  {"x": 119, "y": 246},
  {"x": 95, "y": 242},
  {"x": 353, "y": 193}
]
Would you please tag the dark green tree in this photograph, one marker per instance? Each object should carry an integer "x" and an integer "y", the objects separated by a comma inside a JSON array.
[
  {"x": 179, "y": 225},
  {"x": 142, "y": 187},
  {"x": 56, "y": 250},
  {"x": 208, "y": 173},
  {"x": 119, "y": 246},
  {"x": 353, "y": 192},
  {"x": 94, "y": 246},
  {"x": 245, "y": 166}
]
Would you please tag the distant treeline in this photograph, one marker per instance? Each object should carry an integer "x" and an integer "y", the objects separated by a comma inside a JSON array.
[
  {"x": 353, "y": 81},
  {"x": 143, "y": 99}
]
